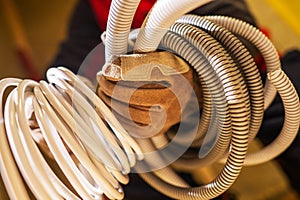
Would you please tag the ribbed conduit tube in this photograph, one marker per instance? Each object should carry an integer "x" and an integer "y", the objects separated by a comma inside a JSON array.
[
  {"x": 292, "y": 114},
  {"x": 245, "y": 61},
  {"x": 259, "y": 40},
  {"x": 211, "y": 79},
  {"x": 291, "y": 124},
  {"x": 254, "y": 84},
  {"x": 162, "y": 16},
  {"x": 271, "y": 57},
  {"x": 250, "y": 72},
  {"x": 118, "y": 27},
  {"x": 232, "y": 81},
  {"x": 272, "y": 61},
  {"x": 232, "y": 167}
]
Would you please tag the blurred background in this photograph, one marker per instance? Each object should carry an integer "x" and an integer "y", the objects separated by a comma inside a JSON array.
[{"x": 31, "y": 31}]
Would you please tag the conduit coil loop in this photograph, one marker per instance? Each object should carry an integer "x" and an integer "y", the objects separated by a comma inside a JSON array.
[{"x": 196, "y": 46}]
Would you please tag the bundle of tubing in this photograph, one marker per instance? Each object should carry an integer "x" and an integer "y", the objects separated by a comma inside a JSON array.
[{"x": 92, "y": 149}]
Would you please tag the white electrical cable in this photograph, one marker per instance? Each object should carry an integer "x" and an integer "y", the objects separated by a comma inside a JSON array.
[
  {"x": 73, "y": 144},
  {"x": 41, "y": 117},
  {"x": 9, "y": 170},
  {"x": 93, "y": 168},
  {"x": 60, "y": 153},
  {"x": 121, "y": 134},
  {"x": 21, "y": 151}
]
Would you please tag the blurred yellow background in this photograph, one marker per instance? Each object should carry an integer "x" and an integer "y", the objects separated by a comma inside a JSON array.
[
  {"x": 289, "y": 11},
  {"x": 281, "y": 18},
  {"x": 34, "y": 26}
]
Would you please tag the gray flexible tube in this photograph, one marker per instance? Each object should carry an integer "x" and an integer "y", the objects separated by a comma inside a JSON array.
[
  {"x": 238, "y": 148},
  {"x": 245, "y": 61},
  {"x": 162, "y": 16},
  {"x": 118, "y": 27},
  {"x": 291, "y": 124},
  {"x": 205, "y": 71},
  {"x": 284, "y": 139},
  {"x": 259, "y": 40},
  {"x": 272, "y": 60}
]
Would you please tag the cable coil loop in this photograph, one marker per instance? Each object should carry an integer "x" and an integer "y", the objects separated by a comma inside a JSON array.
[{"x": 74, "y": 134}]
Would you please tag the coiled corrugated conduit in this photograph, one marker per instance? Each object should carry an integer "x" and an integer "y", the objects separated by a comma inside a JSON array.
[{"x": 76, "y": 125}]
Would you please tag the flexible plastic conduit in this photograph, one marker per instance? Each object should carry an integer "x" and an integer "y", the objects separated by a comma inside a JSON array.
[
  {"x": 207, "y": 48},
  {"x": 180, "y": 46},
  {"x": 236, "y": 98},
  {"x": 240, "y": 54},
  {"x": 250, "y": 73},
  {"x": 118, "y": 27},
  {"x": 239, "y": 140},
  {"x": 162, "y": 16},
  {"x": 258, "y": 39}
]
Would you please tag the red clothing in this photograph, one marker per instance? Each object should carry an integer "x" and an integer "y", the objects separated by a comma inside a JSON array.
[{"x": 101, "y": 11}]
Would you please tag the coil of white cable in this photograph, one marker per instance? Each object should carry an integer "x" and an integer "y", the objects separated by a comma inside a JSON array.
[{"x": 49, "y": 106}]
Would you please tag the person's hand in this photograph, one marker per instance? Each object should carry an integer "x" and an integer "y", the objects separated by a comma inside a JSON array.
[{"x": 147, "y": 92}]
